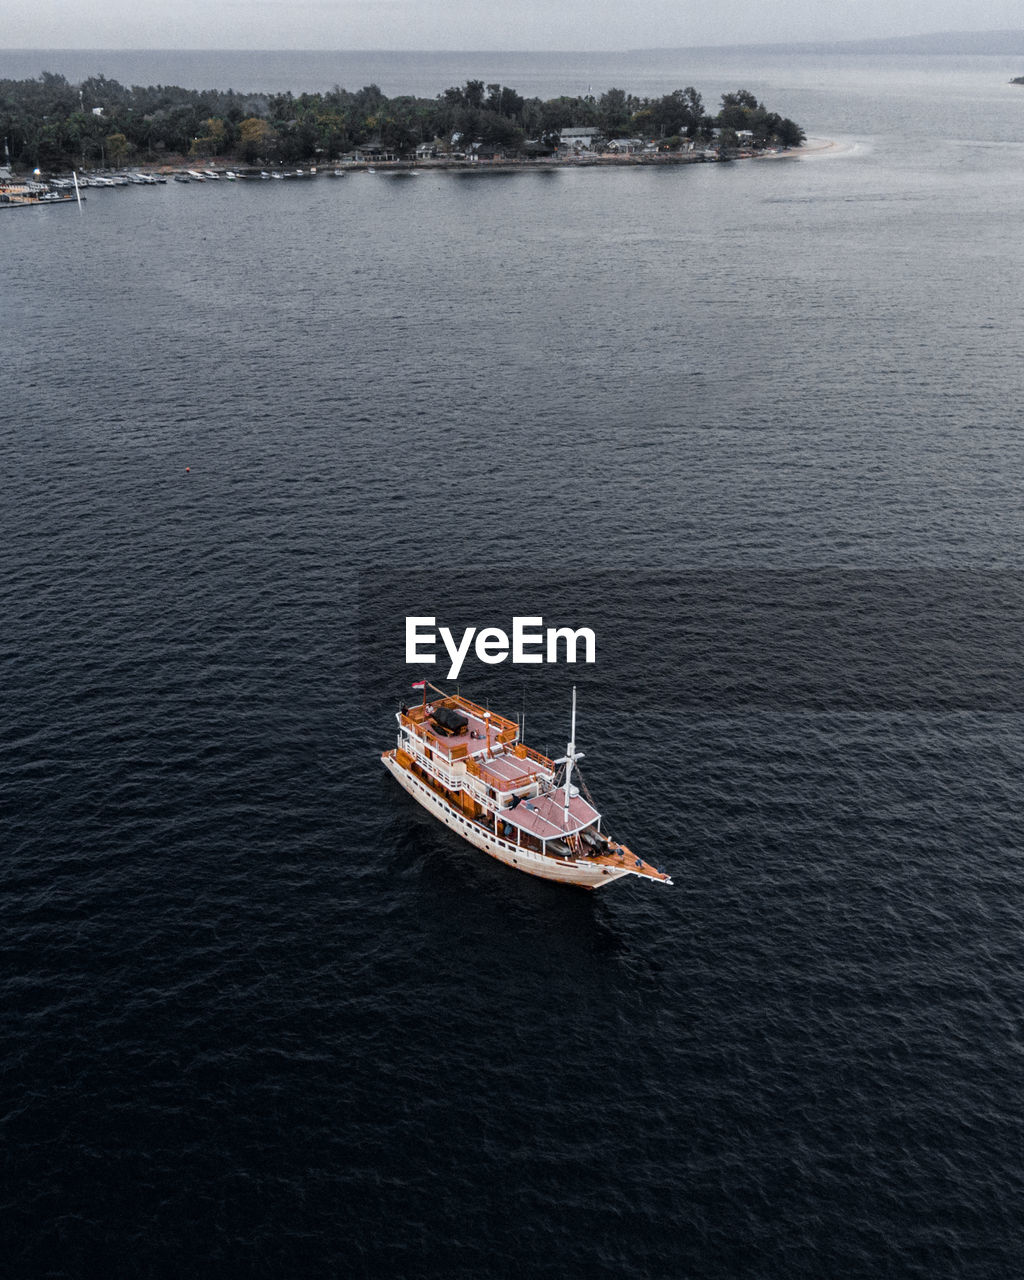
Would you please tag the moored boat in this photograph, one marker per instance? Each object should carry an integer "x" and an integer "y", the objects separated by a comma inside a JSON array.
[{"x": 468, "y": 767}]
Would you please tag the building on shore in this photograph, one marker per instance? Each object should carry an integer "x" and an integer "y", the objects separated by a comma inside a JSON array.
[{"x": 578, "y": 139}]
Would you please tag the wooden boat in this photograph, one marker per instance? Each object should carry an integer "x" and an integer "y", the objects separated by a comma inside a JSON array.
[{"x": 468, "y": 767}]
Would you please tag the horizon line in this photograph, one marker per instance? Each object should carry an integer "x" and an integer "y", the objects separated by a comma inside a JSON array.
[{"x": 791, "y": 45}]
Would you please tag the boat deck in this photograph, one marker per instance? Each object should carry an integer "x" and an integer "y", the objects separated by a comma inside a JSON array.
[{"x": 506, "y": 772}]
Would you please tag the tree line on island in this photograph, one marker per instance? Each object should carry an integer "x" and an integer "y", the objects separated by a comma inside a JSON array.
[{"x": 51, "y": 123}]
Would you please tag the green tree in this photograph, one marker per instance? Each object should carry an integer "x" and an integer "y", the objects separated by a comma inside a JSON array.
[
  {"x": 212, "y": 141},
  {"x": 117, "y": 149},
  {"x": 368, "y": 100},
  {"x": 681, "y": 111},
  {"x": 727, "y": 141},
  {"x": 256, "y": 139},
  {"x": 789, "y": 134},
  {"x": 613, "y": 112}
]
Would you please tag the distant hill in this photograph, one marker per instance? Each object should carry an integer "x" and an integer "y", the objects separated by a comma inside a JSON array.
[
  {"x": 1009, "y": 43},
  {"x": 940, "y": 42}
]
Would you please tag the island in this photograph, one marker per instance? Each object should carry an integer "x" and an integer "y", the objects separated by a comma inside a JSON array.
[{"x": 52, "y": 125}]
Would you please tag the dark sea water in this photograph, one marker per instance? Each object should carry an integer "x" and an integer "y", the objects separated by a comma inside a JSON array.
[{"x": 756, "y": 424}]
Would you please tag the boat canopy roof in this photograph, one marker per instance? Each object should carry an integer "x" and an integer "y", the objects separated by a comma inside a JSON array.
[{"x": 544, "y": 816}]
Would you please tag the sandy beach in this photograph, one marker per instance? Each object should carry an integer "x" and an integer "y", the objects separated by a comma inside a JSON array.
[{"x": 811, "y": 147}]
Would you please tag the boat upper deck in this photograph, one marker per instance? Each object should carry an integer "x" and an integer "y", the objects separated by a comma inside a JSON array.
[
  {"x": 487, "y": 738},
  {"x": 508, "y": 772}
]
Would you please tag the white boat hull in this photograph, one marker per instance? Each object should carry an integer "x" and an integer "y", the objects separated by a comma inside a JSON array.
[{"x": 585, "y": 874}]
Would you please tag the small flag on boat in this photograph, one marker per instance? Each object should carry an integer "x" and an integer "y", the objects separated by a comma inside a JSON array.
[{"x": 419, "y": 684}]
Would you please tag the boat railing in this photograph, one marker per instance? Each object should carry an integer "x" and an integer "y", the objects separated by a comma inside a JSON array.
[
  {"x": 506, "y": 730},
  {"x": 508, "y": 785},
  {"x": 527, "y": 753},
  {"x": 482, "y": 713}
]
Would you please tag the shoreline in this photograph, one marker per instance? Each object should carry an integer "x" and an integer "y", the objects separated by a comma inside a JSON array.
[
  {"x": 222, "y": 165},
  {"x": 219, "y": 166}
]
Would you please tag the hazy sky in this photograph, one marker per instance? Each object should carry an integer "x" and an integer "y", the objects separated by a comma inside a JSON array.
[{"x": 479, "y": 24}]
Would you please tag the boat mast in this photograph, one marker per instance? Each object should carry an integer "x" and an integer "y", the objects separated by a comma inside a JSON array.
[{"x": 570, "y": 757}]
